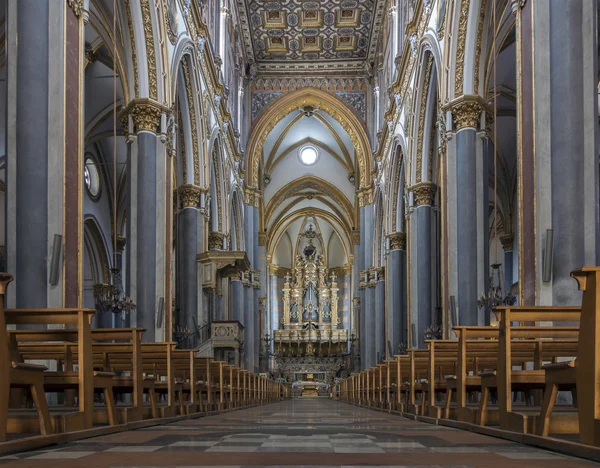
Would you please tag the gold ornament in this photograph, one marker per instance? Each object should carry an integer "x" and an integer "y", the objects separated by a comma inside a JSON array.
[
  {"x": 76, "y": 6},
  {"x": 190, "y": 195},
  {"x": 466, "y": 111},
  {"x": 397, "y": 241},
  {"x": 216, "y": 240},
  {"x": 424, "y": 193}
]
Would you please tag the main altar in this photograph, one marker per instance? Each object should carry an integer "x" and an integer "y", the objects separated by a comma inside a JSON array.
[{"x": 310, "y": 340}]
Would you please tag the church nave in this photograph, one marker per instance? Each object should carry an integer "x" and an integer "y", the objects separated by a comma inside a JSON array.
[{"x": 316, "y": 432}]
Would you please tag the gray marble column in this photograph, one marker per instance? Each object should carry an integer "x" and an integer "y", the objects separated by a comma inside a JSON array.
[
  {"x": 380, "y": 335},
  {"x": 467, "y": 227},
  {"x": 370, "y": 319},
  {"x": 469, "y": 260},
  {"x": 27, "y": 147},
  {"x": 421, "y": 219},
  {"x": 146, "y": 206},
  {"x": 360, "y": 271},
  {"x": 507, "y": 245},
  {"x": 146, "y": 233},
  {"x": 396, "y": 293},
  {"x": 259, "y": 266},
  {"x": 236, "y": 299},
  {"x": 187, "y": 244},
  {"x": 250, "y": 297},
  {"x": 558, "y": 151}
]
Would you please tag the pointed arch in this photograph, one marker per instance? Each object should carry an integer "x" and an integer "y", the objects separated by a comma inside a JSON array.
[{"x": 318, "y": 99}]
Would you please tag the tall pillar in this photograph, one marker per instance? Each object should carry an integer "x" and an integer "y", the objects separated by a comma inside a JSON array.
[
  {"x": 557, "y": 145},
  {"x": 187, "y": 245},
  {"x": 422, "y": 282},
  {"x": 250, "y": 320},
  {"x": 396, "y": 290},
  {"x": 380, "y": 320},
  {"x": 236, "y": 298},
  {"x": 370, "y": 356},
  {"x": 462, "y": 207},
  {"x": 507, "y": 241},
  {"x": 44, "y": 151},
  {"x": 147, "y": 215}
]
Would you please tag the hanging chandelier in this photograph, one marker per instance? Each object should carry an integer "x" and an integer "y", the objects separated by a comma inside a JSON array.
[
  {"x": 495, "y": 296},
  {"x": 111, "y": 298}
]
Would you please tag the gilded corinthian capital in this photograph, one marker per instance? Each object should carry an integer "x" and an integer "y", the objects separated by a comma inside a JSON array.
[
  {"x": 146, "y": 114},
  {"x": 397, "y": 240},
  {"x": 466, "y": 111},
  {"x": 424, "y": 192},
  {"x": 190, "y": 195}
]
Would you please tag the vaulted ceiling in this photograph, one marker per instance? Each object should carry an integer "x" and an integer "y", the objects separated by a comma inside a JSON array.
[
  {"x": 297, "y": 195},
  {"x": 319, "y": 32}
]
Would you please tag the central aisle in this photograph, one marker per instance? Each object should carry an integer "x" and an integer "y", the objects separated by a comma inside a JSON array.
[{"x": 317, "y": 432}]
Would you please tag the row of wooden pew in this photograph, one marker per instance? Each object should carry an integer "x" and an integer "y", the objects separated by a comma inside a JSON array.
[
  {"x": 506, "y": 376},
  {"x": 71, "y": 377}
]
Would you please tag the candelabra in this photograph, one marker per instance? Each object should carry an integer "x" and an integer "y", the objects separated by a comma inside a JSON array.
[
  {"x": 111, "y": 297},
  {"x": 495, "y": 296}
]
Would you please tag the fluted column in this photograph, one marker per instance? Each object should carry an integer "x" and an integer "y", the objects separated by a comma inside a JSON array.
[
  {"x": 464, "y": 185},
  {"x": 396, "y": 290},
  {"x": 187, "y": 247},
  {"x": 421, "y": 282},
  {"x": 147, "y": 211}
]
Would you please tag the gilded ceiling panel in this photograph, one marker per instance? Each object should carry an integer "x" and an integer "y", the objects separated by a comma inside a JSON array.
[{"x": 308, "y": 31}]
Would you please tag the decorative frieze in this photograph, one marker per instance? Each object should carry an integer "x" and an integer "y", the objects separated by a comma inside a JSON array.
[
  {"x": 342, "y": 271},
  {"x": 190, "y": 195},
  {"x": 365, "y": 196},
  {"x": 424, "y": 193},
  {"x": 252, "y": 197},
  {"x": 357, "y": 101},
  {"x": 397, "y": 240}
]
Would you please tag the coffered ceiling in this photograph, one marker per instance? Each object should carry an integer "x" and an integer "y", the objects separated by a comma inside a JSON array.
[{"x": 326, "y": 33}]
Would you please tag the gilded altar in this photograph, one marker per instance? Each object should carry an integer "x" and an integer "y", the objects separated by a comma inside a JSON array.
[{"x": 310, "y": 310}]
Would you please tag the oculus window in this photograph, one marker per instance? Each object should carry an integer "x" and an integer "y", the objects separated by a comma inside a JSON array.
[
  {"x": 308, "y": 155},
  {"x": 91, "y": 178}
]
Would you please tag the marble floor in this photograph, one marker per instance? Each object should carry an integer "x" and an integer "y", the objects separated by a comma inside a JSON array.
[{"x": 302, "y": 432}]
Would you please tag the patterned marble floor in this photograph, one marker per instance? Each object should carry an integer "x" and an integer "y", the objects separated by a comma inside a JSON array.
[{"x": 304, "y": 432}]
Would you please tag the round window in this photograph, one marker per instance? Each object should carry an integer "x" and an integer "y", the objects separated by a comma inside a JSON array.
[
  {"x": 91, "y": 178},
  {"x": 308, "y": 155}
]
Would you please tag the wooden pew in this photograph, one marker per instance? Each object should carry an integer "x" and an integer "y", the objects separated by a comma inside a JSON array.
[
  {"x": 83, "y": 380},
  {"x": 18, "y": 375},
  {"x": 507, "y": 380},
  {"x": 581, "y": 375},
  {"x": 123, "y": 356}
]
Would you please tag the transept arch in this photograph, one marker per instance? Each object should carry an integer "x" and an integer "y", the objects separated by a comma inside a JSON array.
[{"x": 317, "y": 99}]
